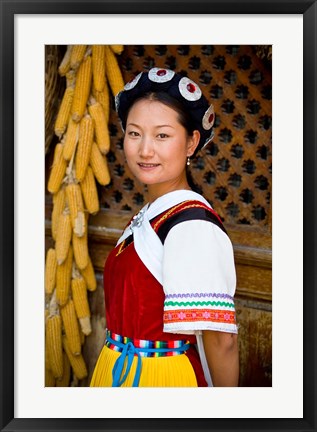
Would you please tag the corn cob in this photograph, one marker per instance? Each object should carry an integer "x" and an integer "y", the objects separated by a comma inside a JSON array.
[
  {"x": 71, "y": 327},
  {"x": 90, "y": 192},
  {"x": 71, "y": 139},
  {"x": 80, "y": 298},
  {"x": 77, "y": 55},
  {"x": 58, "y": 207},
  {"x": 65, "y": 63},
  {"x": 76, "y": 208},
  {"x": 64, "y": 380},
  {"x": 98, "y": 66},
  {"x": 117, "y": 49},
  {"x": 63, "y": 237},
  {"x": 50, "y": 271},
  {"x": 113, "y": 72},
  {"x": 49, "y": 378},
  {"x": 58, "y": 170},
  {"x": 80, "y": 247},
  {"x": 63, "y": 278},
  {"x": 103, "y": 98},
  {"x": 54, "y": 345},
  {"x": 89, "y": 275},
  {"x": 99, "y": 166},
  {"x": 77, "y": 362},
  {"x": 64, "y": 112},
  {"x": 82, "y": 89},
  {"x": 86, "y": 135},
  {"x": 101, "y": 128}
]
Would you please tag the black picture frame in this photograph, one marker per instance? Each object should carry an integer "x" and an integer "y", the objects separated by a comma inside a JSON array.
[{"x": 7, "y": 235}]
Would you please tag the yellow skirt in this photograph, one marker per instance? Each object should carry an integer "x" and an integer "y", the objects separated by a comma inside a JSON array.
[{"x": 169, "y": 371}]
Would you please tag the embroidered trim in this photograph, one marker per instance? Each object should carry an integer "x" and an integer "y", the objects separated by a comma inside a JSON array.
[
  {"x": 217, "y": 295},
  {"x": 199, "y": 303},
  {"x": 184, "y": 315},
  {"x": 166, "y": 215},
  {"x": 192, "y": 326},
  {"x": 180, "y": 207}
]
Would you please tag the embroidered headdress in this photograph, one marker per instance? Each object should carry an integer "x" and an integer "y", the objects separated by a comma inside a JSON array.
[{"x": 179, "y": 87}]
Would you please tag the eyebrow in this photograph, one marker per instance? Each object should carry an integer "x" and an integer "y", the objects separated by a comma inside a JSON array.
[{"x": 158, "y": 126}]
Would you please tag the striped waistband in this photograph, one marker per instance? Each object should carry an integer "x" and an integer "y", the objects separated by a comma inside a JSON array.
[
  {"x": 130, "y": 348},
  {"x": 146, "y": 348}
]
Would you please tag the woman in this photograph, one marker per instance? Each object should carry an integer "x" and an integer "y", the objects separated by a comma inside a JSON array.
[{"x": 169, "y": 282}]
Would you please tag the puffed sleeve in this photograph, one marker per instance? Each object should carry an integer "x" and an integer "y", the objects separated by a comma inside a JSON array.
[{"x": 199, "y": 279}]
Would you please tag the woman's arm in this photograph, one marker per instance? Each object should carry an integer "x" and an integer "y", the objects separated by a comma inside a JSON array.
[{"x": 222, "y": 356}]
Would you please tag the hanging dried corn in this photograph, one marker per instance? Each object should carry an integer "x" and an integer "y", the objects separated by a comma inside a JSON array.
[
  {"x": 63, "y": 112},
  {"x": 92, "y": 77},
  {"x": 77, "y": 55},
  {"x": 80, "y": 247},
  {"x": 63, "y": 278},
  {"x": 76, "y": 208},
  {"x": 54, "y": 345},
  {"x": 86, "y": 135},
  {"x": 58, "y": 207},
  {"x": 77, "y": 361},
  {"x": 50, "y": 271},
  {"x": 113, "y": 71},
  {"x": 63, "y": 237},
  {"x": 89, "y": 276},
  {"x": 65, "y": 63},
  {"x": 99, "y": 165},
  {"x": 89, "y": 192},
  {"x": 101, "y": 127},
  {"x": 71, "y": 139},
  {"x": 99, "y": 67},
  {"x": 70, "y": 323},
  {"x": 58, "y": 171},
  {"x": 82, "y": 89},
  {"x": 80, "y": 298}
]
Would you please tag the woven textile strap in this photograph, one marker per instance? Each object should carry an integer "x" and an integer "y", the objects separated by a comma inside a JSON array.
[{"x": 129, "y": 351}]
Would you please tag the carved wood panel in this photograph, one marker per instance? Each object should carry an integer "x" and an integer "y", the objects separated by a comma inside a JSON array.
[{"x": 234, "y": 171}]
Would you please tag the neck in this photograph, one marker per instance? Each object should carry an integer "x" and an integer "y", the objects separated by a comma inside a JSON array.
[{"x": 156, "y": 191}]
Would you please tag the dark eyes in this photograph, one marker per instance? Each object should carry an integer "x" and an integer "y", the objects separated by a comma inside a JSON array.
[{"x": 136, "y": 134}]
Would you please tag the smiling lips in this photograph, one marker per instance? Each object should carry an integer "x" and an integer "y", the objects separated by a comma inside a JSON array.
[{"x": 148, "y": 165}]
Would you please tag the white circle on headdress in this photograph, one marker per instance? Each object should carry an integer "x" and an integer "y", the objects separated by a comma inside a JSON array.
[
  {"x": 189, "y": 89},
  {"x": 209, "y": 118},
  {"x": 160, "y": 75},
  {"x": 131, "y": 84}
]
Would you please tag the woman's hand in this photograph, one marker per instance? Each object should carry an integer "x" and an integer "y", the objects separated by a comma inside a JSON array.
[{"x": 222, "y": 356}]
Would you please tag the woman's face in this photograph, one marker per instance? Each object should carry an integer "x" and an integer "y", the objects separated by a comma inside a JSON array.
[{"x": 156, "y": 146}]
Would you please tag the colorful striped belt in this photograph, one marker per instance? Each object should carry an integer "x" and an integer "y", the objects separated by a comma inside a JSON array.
[{"x": 130, "y": 348}]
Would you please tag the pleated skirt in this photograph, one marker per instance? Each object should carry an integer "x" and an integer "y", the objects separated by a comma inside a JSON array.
[{"x": 169, "y": 371}]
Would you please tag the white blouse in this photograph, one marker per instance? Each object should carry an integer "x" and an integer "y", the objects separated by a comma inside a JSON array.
[{"x": 199, "y": 279}]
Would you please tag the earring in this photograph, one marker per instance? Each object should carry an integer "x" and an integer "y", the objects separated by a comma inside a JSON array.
[{"x": 188, "y": 161}]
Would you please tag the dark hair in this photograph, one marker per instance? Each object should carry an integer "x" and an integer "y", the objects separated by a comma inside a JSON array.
[{"x": 183, "y": 116}]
